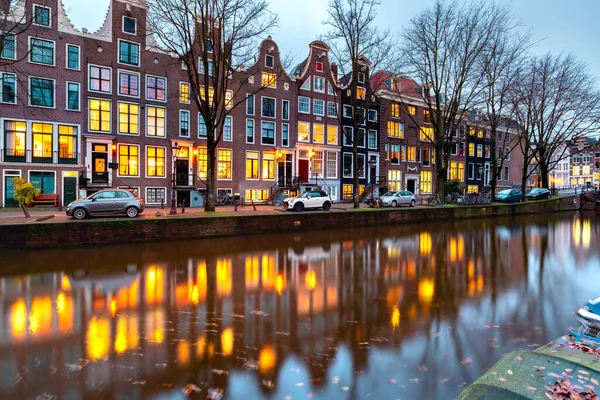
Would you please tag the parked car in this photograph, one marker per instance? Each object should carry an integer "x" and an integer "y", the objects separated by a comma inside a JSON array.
[
  {"x": 509, "y": 196},
  {"x": 538, "y": 194},
  {"x": 395, "y": 199},
  {"x": 312, "y": 199},
  {"x": 107, "y": 202}
]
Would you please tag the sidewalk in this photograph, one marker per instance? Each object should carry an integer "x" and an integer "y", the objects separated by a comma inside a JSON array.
[{"x": 12, "y": 216}]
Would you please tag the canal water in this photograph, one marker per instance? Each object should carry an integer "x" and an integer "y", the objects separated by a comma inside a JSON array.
[{"x": 407, "y": 312}]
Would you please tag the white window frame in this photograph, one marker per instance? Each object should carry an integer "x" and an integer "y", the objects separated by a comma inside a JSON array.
[
  {"x": 139, "y": 55},
  {"x": 306, "y": 84},
  {"x": 29, "y": 92},
  {"x": 67, "y": 96},
  {"x": 346, "y": 108},
  {"x": 258, "y": 165},
  {"x": 351, "y": 165},
  {"x": 155, "y": 187},
  {"x": 335, "y": 170},
  {"x": 217, "y": 165},
  {"x": 134, "y": 25},
  {"x": 119, "y": 159},
  {"x": 361, "y": 77},
  {"x": 181, "y": 83},
  {"x": 138, "y": 121},
  {"x": 253, "y": 131},
  {"x": 274, "y": 133},
  {"x": 323, "y": 133},
  {"x": 289, "y": 104},
  {"x": 336, "y": 109},
  {"x": 15, "y": 46},
  {"x": 298, "y": 131},
  {"x": 89, "y": 79},
  {"x": 369, "y": 115},
  {"x": 128, "y": 72},
  {"x": 320, "y": 79},
  {"x": 109, "y": 113},
  {"x": 16, "y": 88},
  {"x": 262, "y": 108},
  {"x": 181, "y": 112},
  {"x": 166, "y": 133},
  {"x": 33, "y": 15},
  {"x": 266, "y": 58},
  {"x": 231, "y": 126},
  {"x": 44, "y": 40},
  {"x": 166, "y": 87},
  {"x": 146, "y": 162},
  {"x": 67, "y": 57},
  {"x": 288, "y": 137},
  {"x": 323, "y": 107},
  {"x": 250, "y": 96},
  {"x": 374, "y": 132},
  {"x": 308, "y": 100}
]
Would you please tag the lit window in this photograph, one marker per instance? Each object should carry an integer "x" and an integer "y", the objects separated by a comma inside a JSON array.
[
  {"x": 67, "y": 144},
  {"x": 129, "y": 118},
  {"x": 471, "y": 150},
  {"x": 394, "y": 180},
  {"x": 41, "y": 92},
  {"x": 156, "y": 161},
  {"x": 360, "y": 93},
  {"x": 228, "y": 99},
  {"x": 396, "y": 110},
  {"x": 411, "y": 154},
  {"x": 155, "y": 121},
  {"x": 128, "y": 160},
  {"x": 268, "y": 167},
  {"x": 318, "y": 133},
  {"x": 224, "y": 164},
  {"x": 425, "y": 182},
  {"x": 303, "y": 131},
  {"x": 202, "y": 162},
  {"x": 479, "y": 133},
  {"x": 412, "y": 110},
  {"x": 395, "y": 154},
  {"x": 426, "y": 116},
  {"x": 395, "y": 129},
  {"x": 42, "y": 141},
  {"x": 41, "y": 51},
  {"x": 156, "y": 88},
  {"x": 99, "y": 115},
  {"x": 14, "y": 140},
  {"x": 252, "y": 165},
  {"x": 426, "y": 133},
  {"x": 184, "y": 93},
  {"x": 269, "y": 80},
  {"x": 332, "y": 135},
  {"x": 479, "y": 150}
]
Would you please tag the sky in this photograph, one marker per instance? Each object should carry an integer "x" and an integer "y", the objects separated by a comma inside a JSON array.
[{"x": 557, "y": 25}]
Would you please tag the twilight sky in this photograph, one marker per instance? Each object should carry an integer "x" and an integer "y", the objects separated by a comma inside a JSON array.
[{"x": 569, "y": 26}]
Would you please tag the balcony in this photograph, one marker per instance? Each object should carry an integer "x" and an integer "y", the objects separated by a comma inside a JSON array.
[
  {"x": 14, "y": 155},
  {"x": 67, "y": 158},
  {"x": 39, "y": 156}
]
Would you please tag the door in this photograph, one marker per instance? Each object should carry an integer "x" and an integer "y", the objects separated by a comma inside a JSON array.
[
  {"x": 9, "y": 191},
  {"x": 183, "y": 197},
  {"x": 284, "y": 172},
  {"x": 303, "y": 170},
  {"x": 181, "y": 172},
  {"x": 410, "y": 185},
  {"x": 69, "y": 189},
  {"x": 99, "y": 171}
]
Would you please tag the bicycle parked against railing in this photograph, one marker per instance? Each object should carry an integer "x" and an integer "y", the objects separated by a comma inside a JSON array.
[
  {"x": 434, "y": 200},
  {"x": 471, "y": 199},
  {"x": 224, "y": 199}
]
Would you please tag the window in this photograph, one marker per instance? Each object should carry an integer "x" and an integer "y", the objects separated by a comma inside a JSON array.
[
  {"x": 395, "y": 129},
  {"x": 209, "y": 45},
  {"x": 332, "y": 109},
  {"x": 155, "y": 88},
  {"x": 479, "y": 150},
  {"x": 224, "y": 164},
  {"x": 586, "y": 170},
  {"x": 306, "y": 85},
  {"x": 394, "y": 180},
  {"x": 155, "y": 195},
  {"x": 285, "y": 135},
  {"x": 14, "y": 139},
  {"x": 252, "y": 165},
  {"x": 330, "y": 89},
  {"x": 426, "y": 156},
  {"x": 507, "y": 154},
  {"x": 361, "y": 165},
  {"x": 412, "y": 110},
  {"x": 348, "y": 191},
  {"x": 319, "y": 107},
  {"x": 268, "y": 133},
  {"x": 184, "y": 93},
  {"x": 129, "y": 25},
  {"x": 347, "y": 165},
  {"x": 99, "y": 79},
  {"x": 372, "y": 139},
  {"x": 347, "y": 111},
  {"x": 457, "y": 171},
  {"x": 395, "y": 153},
  {"x": 41, "y": 15},
  {"x": 472, "y": 189},
  {"x": 426, "y": 133},
  {"x": 184, "y": 123},
  {"x": 395, "y": 110},
  {"x": 479, "y": 133},
  {"x": 67, "y": 144},
  {"x": 269, "y": 80},
  {"x": 202, "y": 131},
  {"x": 128, "y": 160},
  {"x": 72, "y": 56},
  {"x": 471, "y": 171},
  {"x": 303, "y": 131},
  {"x": 129, "y": 115},
  {"x": 319, "y": 66},
  {"x": 99, "y": 115},
  {"x": 249, "y": 104},
  {"x": 249, "y": 131},
  {"x": 41, "y": 51},
  {"x": 362, "y": 135},
  {"x": 202, "y": 162},
  {"x": 41, "y": 92},
  {"x": 72, "y": 96},
  {"x": 426, "y": 116},
  {"x": 304, "y": 105},
  {"x": 471, "y": 150},
  {"x": 425, "y": 182},
  {"x": 8, "y": 88},
  {"x": 129, "y": 84},
  {"x": 129, "y": 53},
  {"x": 227, "y": 129},
  {"x": 317, "y": 164},
  {"x": 361, "y": 77},
  {"x": 268, "y": 107},
  {"x": 319, "y": 84},
  {"x": 575, "y": 170},
  {"x": 268, "y": 167},
  {"x": 487, "y": 151},
  {"x": 318, "y": 133},
  {"x": 372, "y": 116},
  {"x": 348, "y": 135},
  {"x": 42, "y": 141},
  {"x": 411, "y": 153},
  {"x": 9, "y": 47},
  {"x": 403, "y": 153},
  {"x": 228, "y": 99},
  {"x": 360, "y": 93},
  {"x": 332, "y": 135},
  {"x": 506, "y": 174},
  {"x": 285, "y": 109},
  {"x": 471, "y": 131},
  {"x": 331, "y": 164},
  {"x": 155, "y": 161},
  {"x": 155, "y": 121},
  {"x": 269, "y": 61}
]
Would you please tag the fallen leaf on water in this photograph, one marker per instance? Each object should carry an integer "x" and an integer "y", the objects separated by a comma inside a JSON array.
[
  {"x": 393, "y": 381},
  {"x": 466, "y": 361},
  {"x": 423, "y": 368},
  {"x": 445, "y": 380},
  {"x": 502, "y": 379},
  {"x": 299, "y": 384},
  {"x": 595, "y": 382},
  {"x": 345, "y": 388},
  {"x": 509, "y": 372},
  {"x": 531, "y": 388},
  {"x": 552, "y": 374},
  {"x": 569, "y": 370},
  {"x": 584, "y": 372},
  {"x": 519, "y": 358},
  {"x": 548, "y": 396}
]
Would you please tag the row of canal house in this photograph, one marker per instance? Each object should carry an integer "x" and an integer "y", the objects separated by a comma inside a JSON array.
[{"x": 82, "y": 111}]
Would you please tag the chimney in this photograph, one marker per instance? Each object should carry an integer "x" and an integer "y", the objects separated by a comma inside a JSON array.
[{"x": 334, "y": 71}]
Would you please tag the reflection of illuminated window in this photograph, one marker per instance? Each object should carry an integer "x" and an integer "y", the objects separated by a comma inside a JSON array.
[
  {"x": 251, "y": 272},
  {"x": 426, "y": 290},
  {"x": 425, "y": 243},
  {"x": 224, "y": 276},
  {"x": 98, "y": 338},
  {"x": 268, "y": 271},
  {"x": 154, "y": 285}
]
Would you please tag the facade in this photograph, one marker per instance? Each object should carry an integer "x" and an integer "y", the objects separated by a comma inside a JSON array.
[{"x": 585, "y": 163}]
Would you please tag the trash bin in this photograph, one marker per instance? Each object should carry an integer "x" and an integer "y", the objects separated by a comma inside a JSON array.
[{"x": 236, "y": 198}]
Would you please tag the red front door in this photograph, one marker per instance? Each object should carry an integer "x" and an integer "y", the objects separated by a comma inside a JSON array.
[{"x": 303, "y": 170}]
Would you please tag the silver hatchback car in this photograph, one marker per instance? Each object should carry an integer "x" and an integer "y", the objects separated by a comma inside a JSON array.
[{"x": 107, "y": 202}]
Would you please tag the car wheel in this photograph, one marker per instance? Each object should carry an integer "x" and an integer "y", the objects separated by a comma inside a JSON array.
[
  {"x": 412, "y": 203},
  {"x": 298, "y": 207},
  {"x": 394, "y": 203},
  {"x": 326, "y": 206},
  {"x": 548, "y": 197},
  {"x": 79, "y": 213},
  {"x": 132, "y": 212}
]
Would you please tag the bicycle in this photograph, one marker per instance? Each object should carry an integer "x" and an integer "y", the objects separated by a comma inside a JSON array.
[
  {"x": 434, "y": 200},
  {"x": 224, "y": 199}
]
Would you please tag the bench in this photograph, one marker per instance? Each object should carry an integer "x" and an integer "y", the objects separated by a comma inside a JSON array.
[{"x": 46, "y": 199}]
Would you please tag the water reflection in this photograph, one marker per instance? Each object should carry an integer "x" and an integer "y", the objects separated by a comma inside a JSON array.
[{"x": 388, "y": 312}]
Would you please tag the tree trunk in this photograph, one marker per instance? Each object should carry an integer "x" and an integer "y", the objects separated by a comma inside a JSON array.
[
  {"x": 494, "y": 157},
  {"x": 211, "y": 180},
  {"x": 524, "y": 179},
  {"x": 25, "y": 210},
  {"x": 544, "y": 171},
  {"x": 440, "y": 176},
  {"x": 355, "y": 176}
]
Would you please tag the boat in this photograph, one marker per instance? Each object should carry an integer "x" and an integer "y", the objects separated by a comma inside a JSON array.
[{"x": 588, "y": 316}]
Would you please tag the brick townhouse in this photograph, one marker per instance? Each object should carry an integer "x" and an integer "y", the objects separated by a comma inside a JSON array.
[{"x": 585, "y": 162}]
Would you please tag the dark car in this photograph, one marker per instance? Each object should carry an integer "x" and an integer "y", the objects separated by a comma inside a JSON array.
[
  {"x": 107, "y": 202},
  {"x": 537, "y": 194},
  {"x": 509, "y": 196}
]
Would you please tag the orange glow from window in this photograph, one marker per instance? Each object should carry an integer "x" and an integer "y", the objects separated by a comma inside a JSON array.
[
  {"x": 121, "y": 336},
  {"x": 426, "y": 290},
  {"x": 310, "y": 280},
  {"x": 65, "y": 284},
  {"x": 279, "y": 284},
  {"x": 40, "y": 316},
  {"x": 393, "y": 294},
  {"x": 98, "y": 338},
  {"x": 64, "y": 309},
  {"x": 470, "y": 269},
  {"x": 200, "y": 346},
  {"x": 267, "y": 359},
  {"x": 425, "y": 243},
  {"x": 18, "y": 320},
  {"x": 268, "y": 271},
  {"x": 395, "y": 317},
  {"x": 154, "y": 284},
  {"x": 201, "y": 280},
  {"x": 113, "y": 307},
  {"x": 411, "y": 269},
  {"x": 251, "y": 272},
  {"x": 60, "y": 303},
  {"x": 183, "y": 353},
  {"x": 127, "y": 298},
  {"x": 227, "y": 341},
  {"x": 195, "y": 295},
  {"x": 224, "y": 276}
]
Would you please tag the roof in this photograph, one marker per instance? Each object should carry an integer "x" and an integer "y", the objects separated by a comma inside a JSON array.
[{"x": 381, "y": 80}]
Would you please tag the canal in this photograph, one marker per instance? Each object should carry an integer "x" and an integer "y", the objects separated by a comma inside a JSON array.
[{"x": 409, "y": 312}]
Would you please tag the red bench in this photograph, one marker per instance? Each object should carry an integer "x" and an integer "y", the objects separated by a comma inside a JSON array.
[{"x": 46, "y": 199}]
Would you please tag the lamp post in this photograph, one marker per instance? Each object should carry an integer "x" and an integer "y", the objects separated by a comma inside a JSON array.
[
  {"x": 372, "y": 163},
  {"x": 175, "y": 148}
]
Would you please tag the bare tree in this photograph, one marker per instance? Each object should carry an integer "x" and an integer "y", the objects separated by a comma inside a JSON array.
[
  {"x": 215, "y": 40},
  {"x": 14, "y": 21},
  {"x": 441, "y": 49},
  {"x": 358, "y": 47}
]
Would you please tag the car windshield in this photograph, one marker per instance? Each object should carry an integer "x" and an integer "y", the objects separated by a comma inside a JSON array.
[
  {"x": 504, "y": 192},
  {"x": 304, "y": 195},
  {"x": 388, "y": 194}
]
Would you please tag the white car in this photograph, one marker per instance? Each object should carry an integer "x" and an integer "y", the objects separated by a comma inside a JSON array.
[
  {"x": 312, "y": 199},
  {"x": 395, "y": 199}
]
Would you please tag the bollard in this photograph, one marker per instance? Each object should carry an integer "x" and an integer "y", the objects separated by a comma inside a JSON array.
[
  {"x": 183, "y": 207},
  {"x": 253, "y": 205},
  {"x": 235, "y": 203}
]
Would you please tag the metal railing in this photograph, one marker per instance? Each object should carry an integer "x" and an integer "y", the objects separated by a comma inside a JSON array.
[{"x": 39, "y": 156}]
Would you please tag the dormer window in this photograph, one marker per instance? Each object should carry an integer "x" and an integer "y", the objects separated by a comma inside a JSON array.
[
  {"x": 319, "y": 66},
  {"x": 361, "y": 77},
  {"x": 129, "y": 25},
  {"x": 269, "y": 61},
  {"x": 41, "y": 15}
]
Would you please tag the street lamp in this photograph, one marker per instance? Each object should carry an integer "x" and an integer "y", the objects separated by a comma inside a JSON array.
[
  {"x": 372, "y": 162},
  {"x": 175, "y": 148}
]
